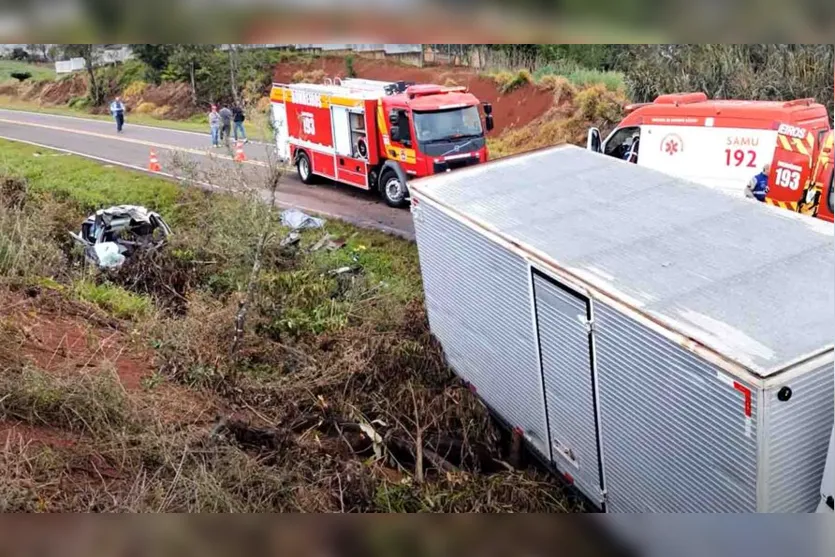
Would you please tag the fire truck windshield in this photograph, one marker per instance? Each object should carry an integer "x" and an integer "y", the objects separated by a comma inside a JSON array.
[
  {"x": 829, "y": 195},
  {"x": 446, "y": 125}
]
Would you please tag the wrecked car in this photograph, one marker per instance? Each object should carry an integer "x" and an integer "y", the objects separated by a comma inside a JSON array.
[{"x": 112, "y": 235}]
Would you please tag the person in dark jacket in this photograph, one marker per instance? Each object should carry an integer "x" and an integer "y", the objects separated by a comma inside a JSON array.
[
  {"x": 238, "y": 117},
  {"x": 758, "y": 186},
  {"x": 226, "y": 124}
]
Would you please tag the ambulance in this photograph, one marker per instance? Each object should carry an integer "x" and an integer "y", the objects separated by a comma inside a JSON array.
[
  {"x": 378, "y": 135},
  {"x": 718, "y": 143}
]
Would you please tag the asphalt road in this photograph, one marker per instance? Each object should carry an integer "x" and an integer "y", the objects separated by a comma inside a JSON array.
[{"x": 183, "y": 153}]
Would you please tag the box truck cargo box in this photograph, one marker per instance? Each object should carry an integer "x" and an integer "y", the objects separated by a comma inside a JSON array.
[{"x": 662, "y": 347}]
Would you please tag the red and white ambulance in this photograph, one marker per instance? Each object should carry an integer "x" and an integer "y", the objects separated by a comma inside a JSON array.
[
  {"x": 719, "y": 143},
  {"x": 377, "y": 135}
]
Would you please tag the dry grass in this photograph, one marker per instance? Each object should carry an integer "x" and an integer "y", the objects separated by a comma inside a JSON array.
[
  {"x": 337, "y": 399},
  {"x": 509, "y": 81},
  {"x": 567, "y": 121},
  {"x": 145, "y": 108},
  {"x": 312, "y": 76}
]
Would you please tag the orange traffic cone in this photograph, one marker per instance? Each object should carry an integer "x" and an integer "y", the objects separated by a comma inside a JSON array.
[
  {"x": 153, "y": 163},
  {"x": 239, "y": 152}
]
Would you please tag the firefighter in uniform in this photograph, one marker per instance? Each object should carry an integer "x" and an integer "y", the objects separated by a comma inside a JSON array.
[{"x": 757, "y": 188}]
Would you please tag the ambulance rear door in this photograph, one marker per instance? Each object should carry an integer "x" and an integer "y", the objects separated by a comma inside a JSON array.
[{"x": 695, "y": 149}]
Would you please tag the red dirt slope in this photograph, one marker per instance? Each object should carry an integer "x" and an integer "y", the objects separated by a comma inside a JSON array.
[{"x": 513, "y": 110}]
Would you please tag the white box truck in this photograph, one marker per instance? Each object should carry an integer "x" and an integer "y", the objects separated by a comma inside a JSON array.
[{"x": 663, "y": 348}]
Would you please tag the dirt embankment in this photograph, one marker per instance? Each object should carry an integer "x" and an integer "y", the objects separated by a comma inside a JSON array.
[
  {"x": 527, "y": 117},
  {"x": 512, "y": 110}
]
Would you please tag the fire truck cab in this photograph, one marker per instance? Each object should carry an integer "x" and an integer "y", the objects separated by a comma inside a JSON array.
[
  {"x": 377, "y": 135},
  {"x": 719, "y": 143}
]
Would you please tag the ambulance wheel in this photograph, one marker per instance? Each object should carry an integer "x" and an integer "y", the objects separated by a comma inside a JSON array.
[
  {"x": 394, "y": 192},
  {"x": 303, "y": 168}
]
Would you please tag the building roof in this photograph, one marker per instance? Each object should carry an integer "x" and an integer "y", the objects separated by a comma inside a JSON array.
[{"x": 751, "y": 282}]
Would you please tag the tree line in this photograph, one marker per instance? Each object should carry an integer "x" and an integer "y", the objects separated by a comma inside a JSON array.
[{"x": 745, "y": 71}]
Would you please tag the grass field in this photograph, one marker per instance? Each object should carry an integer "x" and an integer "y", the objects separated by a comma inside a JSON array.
[
  {"x": 38, "y": 71},
  {"x": 125, "y": 391}
]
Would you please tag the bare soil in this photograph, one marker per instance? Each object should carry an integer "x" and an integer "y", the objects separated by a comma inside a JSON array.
[{"x": 512, "y": 110}]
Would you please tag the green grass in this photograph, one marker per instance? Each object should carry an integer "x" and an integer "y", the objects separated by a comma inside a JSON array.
[
  {"x": 39, "y": 71},
  {"x": 113, "y": 299},
  {"x": 88, "y": 183},
  {"x": 583, "y": 77}
]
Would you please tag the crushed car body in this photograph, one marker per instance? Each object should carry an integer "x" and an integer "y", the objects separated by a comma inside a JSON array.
[{"x": 112, "y": 235}]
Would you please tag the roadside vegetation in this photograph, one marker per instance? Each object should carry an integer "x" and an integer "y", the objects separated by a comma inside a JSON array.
[
  {"x": 173, "y": 85},
  {"x": 126, "y": 391}
]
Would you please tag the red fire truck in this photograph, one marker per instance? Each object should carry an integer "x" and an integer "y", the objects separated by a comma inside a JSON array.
[{"x": 376, "y": 135}]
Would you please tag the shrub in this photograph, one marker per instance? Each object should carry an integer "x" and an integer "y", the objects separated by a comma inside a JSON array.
[
  {"x": 135, "y": 89},
  {"x": 349, "y": 66},
  {"x": 563, "y": 90},
  {"x": 509, "y": 82},
  {"x": 146, "y": 108},
  {"x": 21, "y": 76},
  {"x": 161, "y": 111},
  {"x": 79, "y": 103}
]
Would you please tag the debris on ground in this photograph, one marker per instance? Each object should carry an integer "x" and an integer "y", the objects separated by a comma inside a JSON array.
[
  {"x": 329, "y": 243},
  {"x": 343, "y": 270},
  {"x": 297, "y": 220},
  {"x": 291, "y": 239},
  {"x": 112, "y": 235}
]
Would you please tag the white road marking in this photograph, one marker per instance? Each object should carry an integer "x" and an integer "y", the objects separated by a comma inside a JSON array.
[
  {"x": 111, "y": 137},
  {"x": 132, "y": 125}
]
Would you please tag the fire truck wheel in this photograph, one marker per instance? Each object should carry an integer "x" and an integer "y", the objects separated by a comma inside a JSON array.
[
  {"x": 392, "y": 189},
  {"x": 303, "y": 168}
]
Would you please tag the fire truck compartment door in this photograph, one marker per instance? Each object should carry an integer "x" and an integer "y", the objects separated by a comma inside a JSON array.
[
  {"x": 341, "y": 130},
  {"x": 282, "y": 132},
  {"x": 791, "y": 168}
]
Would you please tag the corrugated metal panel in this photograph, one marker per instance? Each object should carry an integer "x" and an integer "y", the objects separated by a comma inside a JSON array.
[
  {"x": 690, "y": 257},
  {"x": 674, "y": 433},
  {"x": 796, "y": 439},
  {"x": 479, "y": 307},
  {"x": 569, "y": 393}
]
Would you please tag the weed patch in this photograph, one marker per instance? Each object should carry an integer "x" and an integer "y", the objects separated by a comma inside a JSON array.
[{"x": 113, "y": 299}]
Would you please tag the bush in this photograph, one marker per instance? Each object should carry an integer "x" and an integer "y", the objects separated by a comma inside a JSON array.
[
  {"x": 161, "y": 111},
  {"x": 135, "y": 89},
  {"x": 509, "y": 82},
  {"x": 563, "y": 90},
  {"x": 79, "y": 103},
  {"x": 25, "y": 246},
  {"x": 146, "y": 108},
  {"x": 21, "y": 76},
  {"x": 349, "y": 66}
]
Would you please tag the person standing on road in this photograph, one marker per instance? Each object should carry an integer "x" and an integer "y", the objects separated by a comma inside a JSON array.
[
  {"x": 214, "y": 126},
  {"x": 758, "y": 186},
  {"x": 117, "y": 109},
  {"x": 239, "y": 117},
  {"x": 226, "y": 124}
]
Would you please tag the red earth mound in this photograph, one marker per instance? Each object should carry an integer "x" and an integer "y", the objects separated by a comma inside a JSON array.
[{"x": 512, "y": 110}]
